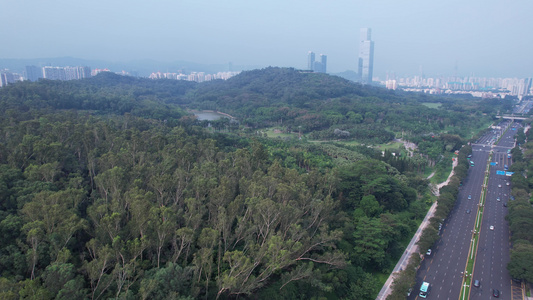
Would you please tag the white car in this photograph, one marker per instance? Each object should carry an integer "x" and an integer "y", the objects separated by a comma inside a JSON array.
[
  {"x": 491, "y": 227},
  {"x": 499, "y": 185},
  {"x": 498, "y": 199},
  {"x": 429, "y": 252},
  {"x": 507, "y": 183}
]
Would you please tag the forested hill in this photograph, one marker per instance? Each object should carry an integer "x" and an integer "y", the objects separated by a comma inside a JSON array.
[
  {"x": 284, "y": 87},
  {"x": 314, "y": 103},
  {"x": 109, "y": 191},
  {"x": 319, "y": 104},
  {"x": 106, "y": 93}
]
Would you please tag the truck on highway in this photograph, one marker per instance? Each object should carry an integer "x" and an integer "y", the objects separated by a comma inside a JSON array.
[{"x": 424, "y": 290}]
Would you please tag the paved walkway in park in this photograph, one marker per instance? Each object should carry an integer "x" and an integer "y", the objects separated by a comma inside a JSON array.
[{"x": 413, "y": 247}]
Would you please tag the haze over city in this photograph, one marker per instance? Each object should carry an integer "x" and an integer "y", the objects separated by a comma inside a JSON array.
[{"x": 483, "y": 38}]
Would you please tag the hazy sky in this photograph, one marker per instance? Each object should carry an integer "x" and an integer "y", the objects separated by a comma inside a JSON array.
[{"x": 480, "y": 37}]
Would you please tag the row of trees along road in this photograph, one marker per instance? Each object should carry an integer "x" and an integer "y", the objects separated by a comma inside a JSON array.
[{"x": 520, "y": 215}]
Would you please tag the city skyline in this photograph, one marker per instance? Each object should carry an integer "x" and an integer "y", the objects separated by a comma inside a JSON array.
[
  {"x": 475, "y": 86},
  {"x": 443, "y": 38}
]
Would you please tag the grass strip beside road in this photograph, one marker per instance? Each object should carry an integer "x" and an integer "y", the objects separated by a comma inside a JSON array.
[
  {"x": 443, "y": 168},
  {"x": 471, "y": 260}
]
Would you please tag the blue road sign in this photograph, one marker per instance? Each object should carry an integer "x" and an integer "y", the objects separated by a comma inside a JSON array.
[
  {"x": 492, "y": 163},
  {"x": 500, "y": 172},
  {"x": 509, "y": 173}
]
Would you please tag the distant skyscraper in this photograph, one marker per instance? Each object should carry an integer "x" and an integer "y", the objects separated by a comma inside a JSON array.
[
  {"x": 317, "y": 67},
  {"x": 527, "y": 86},
  {"x": 366, "y": 56},
  {"x": 324, "y": 62},
  {"x": 311, "y": 60}
]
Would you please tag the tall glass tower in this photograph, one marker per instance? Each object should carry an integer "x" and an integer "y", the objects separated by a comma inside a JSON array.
[
  {"x": 324, "y": 62},
  {"x": 366, "y": 56},
  {"x": 311, "y": 61}
]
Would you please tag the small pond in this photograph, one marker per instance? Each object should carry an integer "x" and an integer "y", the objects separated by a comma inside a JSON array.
[{"x": 207, "y": 115}]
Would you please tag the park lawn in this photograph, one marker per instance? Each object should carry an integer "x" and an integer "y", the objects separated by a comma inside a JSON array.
[
  {"x": 271, "y": 133},
  {"x": 396, "y": 147},
  {"x": 432, "y": 105}
]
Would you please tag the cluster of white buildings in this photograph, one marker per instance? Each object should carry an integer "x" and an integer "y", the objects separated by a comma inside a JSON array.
[
  {"x": 194, "y": 76},
  {"x": 476, "y": 86},
  {"x": 33, "y": 73},
  {"x": 63, "y": 73},
  {"x": 7, "y": 77}
]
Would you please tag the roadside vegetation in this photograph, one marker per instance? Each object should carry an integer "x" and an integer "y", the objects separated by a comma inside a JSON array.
[{"x": 520, "y": 215}]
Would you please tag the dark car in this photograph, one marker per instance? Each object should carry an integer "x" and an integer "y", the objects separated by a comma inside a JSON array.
[
  {"x": 476, "y": 283},
  {"x": 468, "y": 211},
  {"x": 496, "y": 293},
  {"x": 505, "y": 205}
]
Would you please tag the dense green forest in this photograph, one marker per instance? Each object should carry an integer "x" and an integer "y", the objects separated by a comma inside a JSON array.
[{"x": 109, "y": 189}]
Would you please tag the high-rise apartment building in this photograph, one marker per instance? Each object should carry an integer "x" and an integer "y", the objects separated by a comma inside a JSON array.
[
  {"x": 33, "y": 73},
  {"x": 7, "y": 77},
  {"x": 527, "y": 86},
  {"x": 66, "y": 73},
  {"x": 54, "y": 73},
  {"x": 366, "y": 56},
  {"x": 311, "y": 60}
]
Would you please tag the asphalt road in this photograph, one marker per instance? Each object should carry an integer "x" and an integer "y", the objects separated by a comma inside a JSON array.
[
  {"x": 494, "y": 245},
  {"x": 444, "y": 268}
]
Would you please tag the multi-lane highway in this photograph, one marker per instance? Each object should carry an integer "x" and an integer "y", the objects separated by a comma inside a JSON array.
[
  {"x": 494, "y": 245},
  {"x": 444, "y": 268}
]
